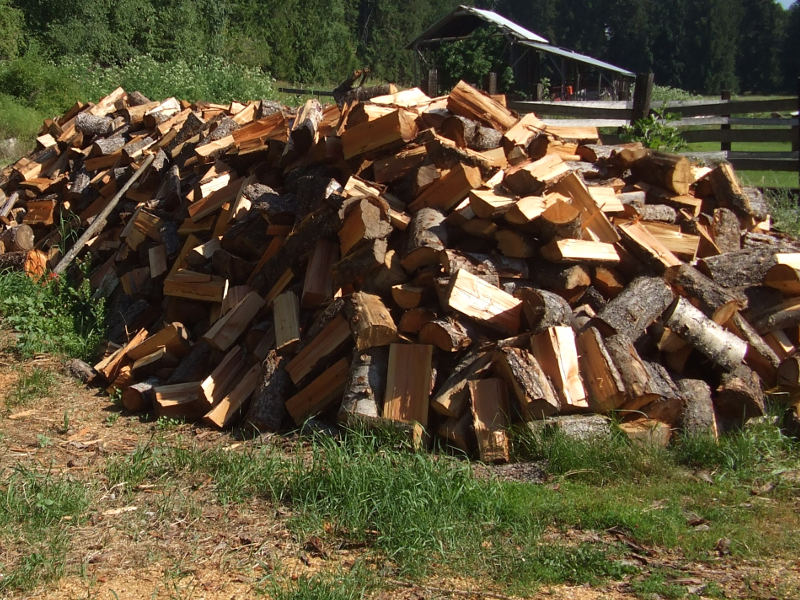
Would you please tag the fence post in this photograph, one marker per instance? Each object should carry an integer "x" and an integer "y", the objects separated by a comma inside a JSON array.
[
  {"x": 725, "y": 145},
  {"x": 796, "y": 130},
  {"x": 642, "y": 94},
  {"x": 492, "y": 83},
  {"x": 433, "y": 83}
]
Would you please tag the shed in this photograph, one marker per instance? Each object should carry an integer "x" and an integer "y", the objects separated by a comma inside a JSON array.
[{"x": 531, "y": 57}]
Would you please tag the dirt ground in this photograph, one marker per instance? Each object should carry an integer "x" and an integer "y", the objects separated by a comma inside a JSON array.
[{"x": 179, "y": 543}]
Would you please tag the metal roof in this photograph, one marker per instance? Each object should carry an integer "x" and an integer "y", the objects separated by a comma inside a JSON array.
[
  {"x": 465, "y": 19},
  {"x": 577, "y": 56}
]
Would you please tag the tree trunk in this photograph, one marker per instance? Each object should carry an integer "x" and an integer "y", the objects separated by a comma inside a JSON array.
[{"x": 633, "y": 310}]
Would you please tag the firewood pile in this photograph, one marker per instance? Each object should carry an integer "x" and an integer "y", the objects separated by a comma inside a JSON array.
[{"x": 441, "y": 266}]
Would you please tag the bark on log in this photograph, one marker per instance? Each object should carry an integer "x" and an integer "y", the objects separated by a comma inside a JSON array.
[
  {"x": 633, "y": 310},
  {"x": 741, "y": 269},
  {"x": 633, "y": 371},
  {"x": 725, "y": 230},
  {"x": 267, "y": 410},
  {"x": 698, "y": 412},
  {"x": 480, "y": 265},
  {"x": 670, "y": 171},
  {"x": 304, "y": 129},
  {"x": 777, "y": 316},
  {"x": 32, "y": 262},
  {"x": 728, "y": 191},
  {"x": 723, "y": 348},
  {"x": 739, "y": 396},
  {"x": 427, "y": 238},
  {"x": 365, "y": 386},
  {"x": 18, "y": 238},
  {"x": 716, "y": 302},
  {"x": 90, "y": 125},
  {"x": 657, "y": 212},
  {"x": 447, "y": 334},
  {"x": 531, "y": 388},
  {"x": 543, "y": 309},
  {"x": 760, "y": 357}
]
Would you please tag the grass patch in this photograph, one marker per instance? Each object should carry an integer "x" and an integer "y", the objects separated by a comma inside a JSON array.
[
  {"x": 785, "y": 211},
  {"x": 51, "y": 315},
  {"x": 336, "y": 585},
  {"x": 36, "y": 511},
  {"x": 33, "y": 385},
  {"x": 420, "y": 513}
]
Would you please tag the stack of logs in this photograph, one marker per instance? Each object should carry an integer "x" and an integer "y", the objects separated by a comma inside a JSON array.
[{"x": 438, "y": 265}]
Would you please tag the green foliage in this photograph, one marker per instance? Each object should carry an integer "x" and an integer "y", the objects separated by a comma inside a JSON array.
[
  {"x": 52, "y": 315},
  {"x": 784, "y": 206},
  {"x": 654, "y": 132},
  {"x": 30, "y": 386},
  {"x": 474, "y": 58},
  {"x": 36, "y": 512},
  {"x": 12, "y": 30}
]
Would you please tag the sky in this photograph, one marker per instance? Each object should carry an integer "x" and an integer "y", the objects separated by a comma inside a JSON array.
[{"x": 785, "y": 3}]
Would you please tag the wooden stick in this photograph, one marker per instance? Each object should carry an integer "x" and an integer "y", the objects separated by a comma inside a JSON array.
[{"x": 100, "y": 220}]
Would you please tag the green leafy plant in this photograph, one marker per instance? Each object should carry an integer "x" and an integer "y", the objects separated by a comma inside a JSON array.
[
  {"x": 52, "y": 315},
  {"x": 654, "y": 131}
]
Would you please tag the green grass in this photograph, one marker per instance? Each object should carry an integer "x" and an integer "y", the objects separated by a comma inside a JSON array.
[
  {"x": 30, "y": 386},
  {"x": 37, "y": 511},
  {"x": 421, "y": 513},
  {"x": 785, "y": 210},
  {"x": 51, "y": 315}
]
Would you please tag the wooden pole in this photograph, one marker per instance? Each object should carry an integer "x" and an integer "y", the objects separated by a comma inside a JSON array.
[
  {"x": 725, "y": 144},
  {"x": 492, "y": 83},
  {"x": 433, "y": 82},
  {"x": 100, "y": 220},
  {"x": 796, "y": 130},
  {"x": 642, "y": 95}
]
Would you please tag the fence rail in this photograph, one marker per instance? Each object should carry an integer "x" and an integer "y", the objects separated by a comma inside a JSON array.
[{"x": 699, "y": 121}]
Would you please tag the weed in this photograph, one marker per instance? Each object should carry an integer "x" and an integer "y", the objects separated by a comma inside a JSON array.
[
  {"x": 52, "y": 315},
  {"x": 111, "y": 419},
  {"x": 656, "y": 586},
  {"x": 168, "y": 423},
  {"x": 31, "y": 386},
  {"x": 654, "y": 132},
  {"x": 64, "y": 424},
  {"x": 43, "y": 440}
]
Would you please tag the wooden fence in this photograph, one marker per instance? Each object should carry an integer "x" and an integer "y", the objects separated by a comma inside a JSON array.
[{"x": 724, "y": 121}]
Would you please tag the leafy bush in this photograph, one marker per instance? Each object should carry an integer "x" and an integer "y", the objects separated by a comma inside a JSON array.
[
  {"x": 203, "y": 78},
  {"x": 654, "y": 132},
  {"x": 50, "y": 315}
]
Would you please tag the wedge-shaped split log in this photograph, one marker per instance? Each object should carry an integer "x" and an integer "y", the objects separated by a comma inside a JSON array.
[
  {"x": 530, "y": 387},
  {"x": 482, "y": 302},
  {"x": 320, "y": 393},
  {"x": 490, "y": 418},
  {"x": 223, "y": 412},
  {"x": 408, "y": 383},
  {"x": 227, "y": 329},
  {"x": 557, "y": 354}
]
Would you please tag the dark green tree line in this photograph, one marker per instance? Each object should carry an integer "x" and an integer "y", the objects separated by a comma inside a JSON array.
[{"x": 700, "y": 45}]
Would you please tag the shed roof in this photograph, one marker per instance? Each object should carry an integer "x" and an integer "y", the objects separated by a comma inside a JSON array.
[
  {"x": 570, "y": 54},
  {"x": 462, "y": 21}
]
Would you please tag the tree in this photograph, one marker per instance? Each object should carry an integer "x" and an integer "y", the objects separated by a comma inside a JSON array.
[
  {"x": 12, "y": 28},
  {"x": 791, "y": 49},
  {"x": 758, "y": 61}
]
